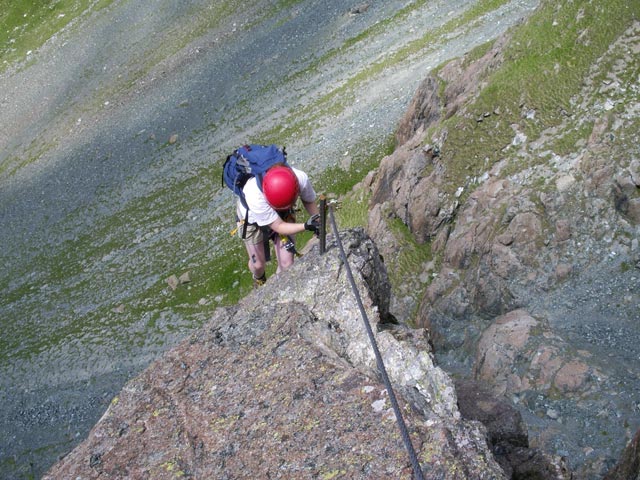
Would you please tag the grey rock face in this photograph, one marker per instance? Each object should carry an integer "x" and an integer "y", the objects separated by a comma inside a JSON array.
[{"x": 285, "y": 386}]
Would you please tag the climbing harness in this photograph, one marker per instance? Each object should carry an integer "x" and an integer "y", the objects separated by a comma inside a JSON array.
[
  {"x": 289, "y": 245},
  {"x": 269, "y": 235},
  {"x": 417, "y": 469}
]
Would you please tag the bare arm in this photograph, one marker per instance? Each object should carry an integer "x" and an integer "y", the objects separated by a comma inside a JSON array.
[
  {"x": 311, "y": 207},
  {"x": 284, "y": 228}
]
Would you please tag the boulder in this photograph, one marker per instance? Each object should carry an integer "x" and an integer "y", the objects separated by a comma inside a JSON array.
[{"x": 517, "y": 353}]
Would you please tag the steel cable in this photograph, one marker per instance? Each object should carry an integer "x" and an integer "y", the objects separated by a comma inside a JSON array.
[{"x": 417, "y": 469}]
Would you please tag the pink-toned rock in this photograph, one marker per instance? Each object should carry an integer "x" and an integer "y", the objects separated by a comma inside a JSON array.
[
  {"x": 525, "y": 227},
  {"x": 496, "y": 187},
  {"x": 565, "y": 182},
  {"x": 499, "y": 346},
  {"x": 563, "y": 271},
  {"x": 503, "y": 260},
  {"x": 505, "y": 239},
  {"x": 601, "y": 181},
  {"x": 423, "y": 110},
  {"x": 571, "y": 377},
  {"x": 399, "y": 185},
  {"x": 518, "y": 353},
  {"x": 599, "y": 129},
  {"x": 544, "y": 364},
  {"x": 563, "y": 230},
  {"x": 633, "y": 211}
]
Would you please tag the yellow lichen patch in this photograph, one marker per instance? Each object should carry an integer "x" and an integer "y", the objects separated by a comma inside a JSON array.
[
  {"x": 223, "y": 423},
  {"x": 173, "y": 467},
  {"x": 311, "y": 424},
  {"x": 332, "y": 474}
]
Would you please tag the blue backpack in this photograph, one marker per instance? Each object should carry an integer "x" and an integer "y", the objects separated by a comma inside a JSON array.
[{"x": 250, "y": 161}]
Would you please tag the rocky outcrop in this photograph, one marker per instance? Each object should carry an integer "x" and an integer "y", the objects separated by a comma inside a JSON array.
[
  {"x": 535, "y": 259},
  {"x": 285, "y": 385},
  {"x": 518, "y": 353}
]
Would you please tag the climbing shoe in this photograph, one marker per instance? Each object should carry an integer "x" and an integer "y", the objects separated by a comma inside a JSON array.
[{"x": 258, "y": 282}]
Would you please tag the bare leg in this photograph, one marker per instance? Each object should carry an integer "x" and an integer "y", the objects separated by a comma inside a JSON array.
[
  {"x": 257, "y": 260},
  {"x": 285, "y": 258}
]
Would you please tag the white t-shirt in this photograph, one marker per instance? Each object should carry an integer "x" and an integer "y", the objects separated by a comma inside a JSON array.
[{"x": 260, "y": 211}]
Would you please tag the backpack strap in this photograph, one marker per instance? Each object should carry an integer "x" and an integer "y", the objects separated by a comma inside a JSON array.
[{"x": 244, "y": 224}]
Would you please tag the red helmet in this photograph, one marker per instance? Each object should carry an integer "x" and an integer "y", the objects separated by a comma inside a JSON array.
[{"x": 280, "y": 187}]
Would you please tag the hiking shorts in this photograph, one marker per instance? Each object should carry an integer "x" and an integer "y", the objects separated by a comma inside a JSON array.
[{"x": 255, "y": 234}]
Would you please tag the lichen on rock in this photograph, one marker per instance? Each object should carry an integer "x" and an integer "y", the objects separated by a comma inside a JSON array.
[{"x": 285, "y": 385}]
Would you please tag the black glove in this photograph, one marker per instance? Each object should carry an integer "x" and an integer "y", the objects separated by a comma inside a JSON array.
[{"x": 313, "y": 224}]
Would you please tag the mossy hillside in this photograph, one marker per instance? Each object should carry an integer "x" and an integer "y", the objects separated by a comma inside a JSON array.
[
  {"x": 607, "y": 84},
  {"x": 26, "y": 25},
  {"x": 303, "y": 121},
  {"x": 111, "y": 258},
  {"x": 545, "y": 65},
  {"x": 36, "y": 150},
  {"x": 408, "y": 267},
  {"x": 131, "y": 253},
  {"x": 299, "y": 123}
]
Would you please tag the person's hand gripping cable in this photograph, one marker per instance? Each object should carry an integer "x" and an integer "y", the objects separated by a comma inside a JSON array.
[{"x": 313, "y": 224}]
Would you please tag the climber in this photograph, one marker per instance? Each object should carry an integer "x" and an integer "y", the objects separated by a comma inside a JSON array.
[{"x": 271, "y": 217}]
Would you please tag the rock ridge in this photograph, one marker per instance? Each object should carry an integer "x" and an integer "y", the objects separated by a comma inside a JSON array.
[{"x": 284, "y": 385}]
